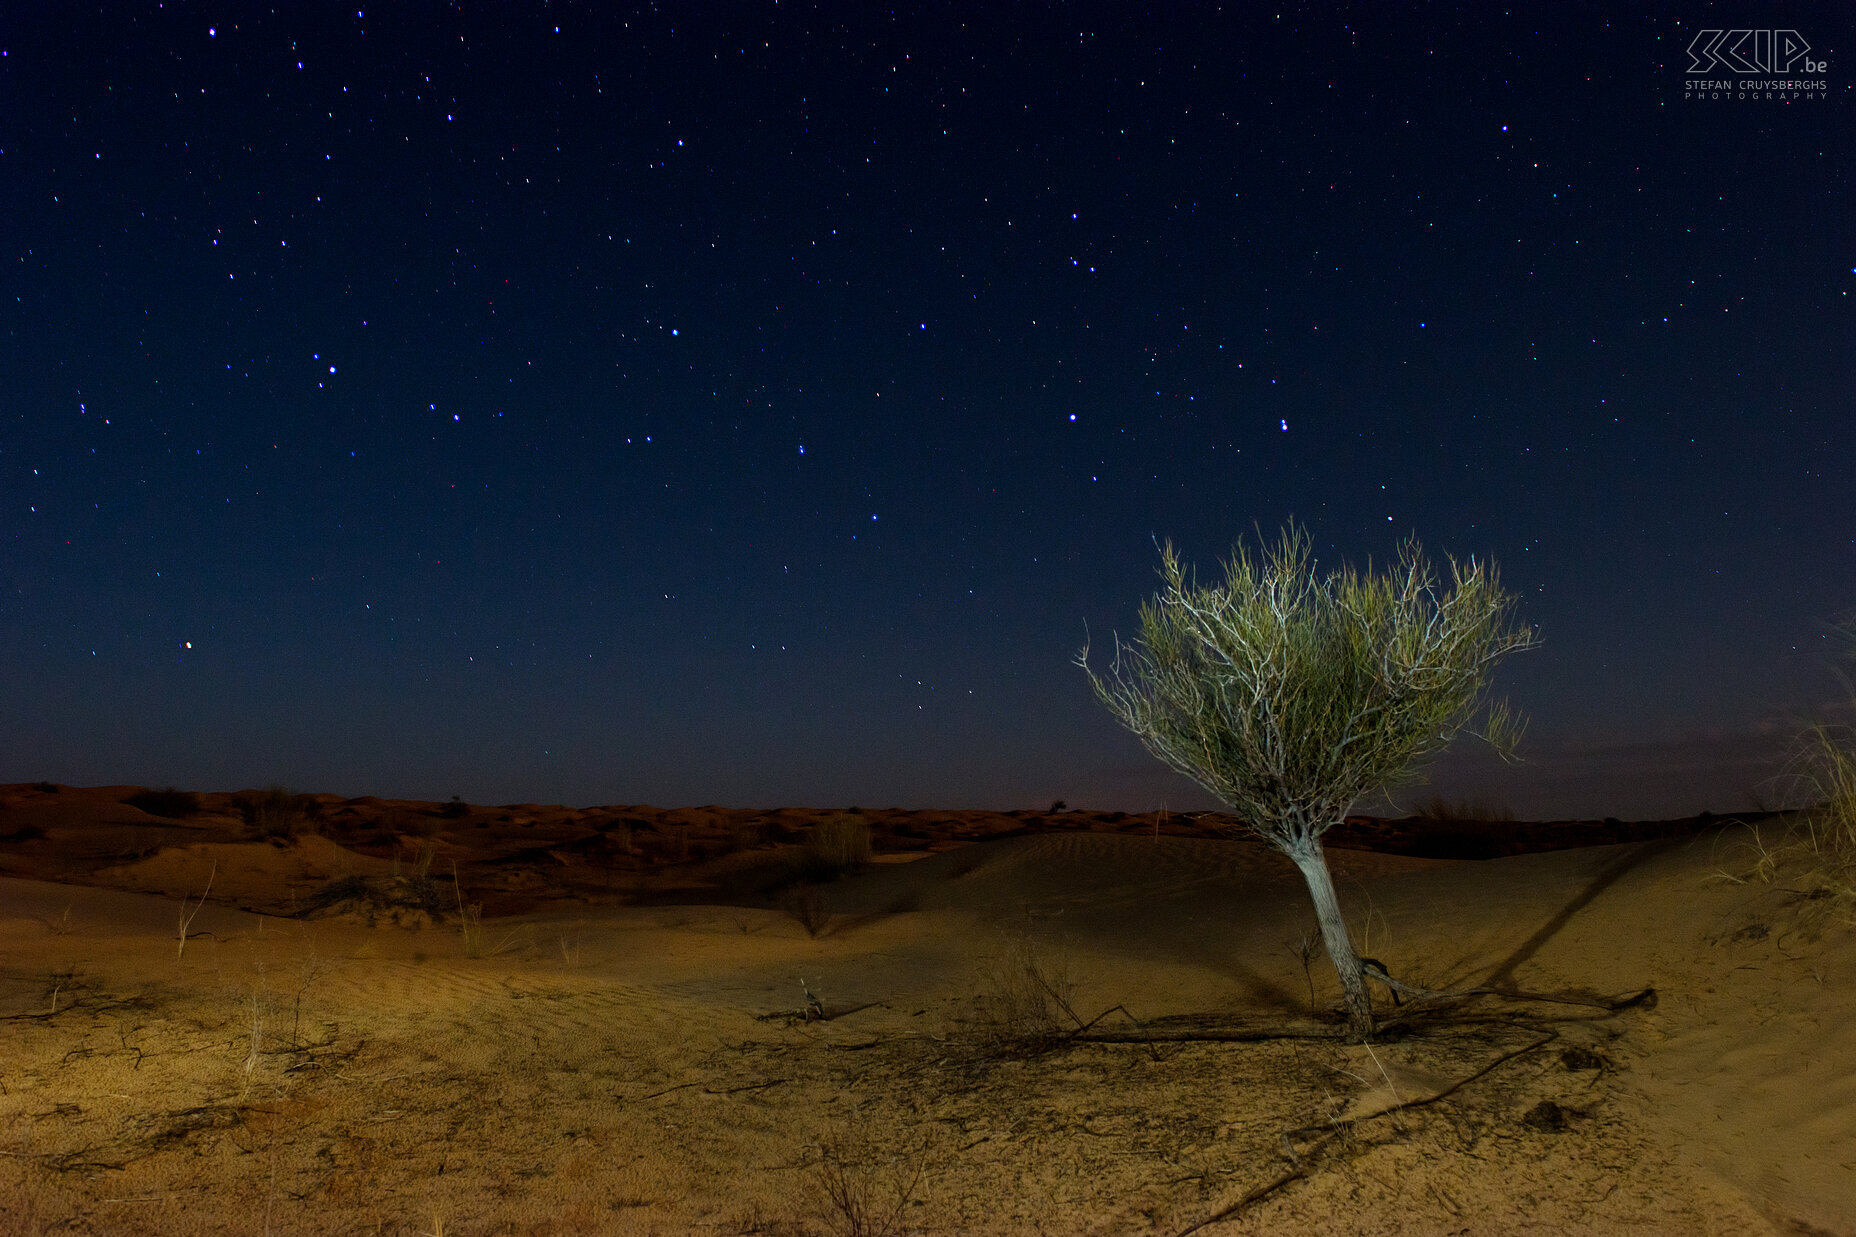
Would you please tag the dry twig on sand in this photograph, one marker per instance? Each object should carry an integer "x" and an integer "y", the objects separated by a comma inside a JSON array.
[
  {"x": 1417, "y": 1020},
  {"x": 1301, "y": 1163},
  {"x": 866, "y": 1194},
  {"x": 187, "y": 917}
]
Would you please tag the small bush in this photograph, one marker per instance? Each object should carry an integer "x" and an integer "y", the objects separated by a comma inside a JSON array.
[
  {"x": 1821, "y": 786},
  {"x": 860, "y": 1190},
  {"x": 408, "y": 900},
  {"x": 1464, "y": 811},
  {"x": 1025, "y": 1002},
  {"x": 839, "y": 842},
  {"x": 454, "y": 809},
  {"x": 276, "y": 813},
  {"x": 171, "y": 803},
  {"x": 1815, "y": 846},
  {"x": 1823, "y": 834},
  {"x": 1826, "y": 768}
]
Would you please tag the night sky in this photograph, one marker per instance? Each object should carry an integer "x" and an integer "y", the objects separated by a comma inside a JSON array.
[{"x": 752, "y": 404}]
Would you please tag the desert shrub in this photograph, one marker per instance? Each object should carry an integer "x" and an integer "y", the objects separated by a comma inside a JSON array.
[
  {"x": 1815, "y": 847},
  {"x": 1025, "y": 1001},
  {"x": 276, "y": 813},
  {"x": 454, "y": 809},
  {"x": 1823, "y": 782},
  {"x": 174, "y": 804},
  {"x": 1464, "y": 811},
  {"x": 1828, "y": 769},
  {"x": 1292, "y": 694},
  {"x": 395, "y": 898},
  {"x": 839, "y": 842},
  {"x": 861, "y": 1189},
  {"x": 46, "y": 788}
]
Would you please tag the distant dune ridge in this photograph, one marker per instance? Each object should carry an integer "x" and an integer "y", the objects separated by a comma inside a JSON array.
[
  {"x": 351, "y": 1014},
  {"x": 68, "y": 833}
]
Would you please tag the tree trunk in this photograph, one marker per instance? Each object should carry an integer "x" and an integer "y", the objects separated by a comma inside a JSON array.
[{"x": 1309, "y": 858}]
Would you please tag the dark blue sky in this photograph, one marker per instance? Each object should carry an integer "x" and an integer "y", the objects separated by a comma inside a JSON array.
[{"x": 752, "y": 403}]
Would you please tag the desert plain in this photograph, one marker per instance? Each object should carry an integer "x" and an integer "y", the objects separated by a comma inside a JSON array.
[{"x": 367, "y": 1016}]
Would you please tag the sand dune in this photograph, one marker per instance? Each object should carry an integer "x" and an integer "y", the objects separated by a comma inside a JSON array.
[{"x": 632, "y": 1049}]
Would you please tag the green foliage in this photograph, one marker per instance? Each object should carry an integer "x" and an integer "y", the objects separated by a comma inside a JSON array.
[
  {"x": 171, "y": 803},
  {"x": 1291, "y": 695}
]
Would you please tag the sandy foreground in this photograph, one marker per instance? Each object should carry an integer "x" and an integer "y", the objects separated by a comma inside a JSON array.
[{"x": 653, "y": 1036}]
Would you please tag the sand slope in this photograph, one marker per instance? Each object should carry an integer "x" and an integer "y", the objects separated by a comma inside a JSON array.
[{"x": 651, "y": 1068}]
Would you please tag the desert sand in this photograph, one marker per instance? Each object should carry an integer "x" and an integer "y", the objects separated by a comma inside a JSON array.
[{"x": 625, "y": 1020}]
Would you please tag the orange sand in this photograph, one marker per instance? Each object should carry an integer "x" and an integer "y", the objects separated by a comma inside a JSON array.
[{"x": 630, "y": 1051}]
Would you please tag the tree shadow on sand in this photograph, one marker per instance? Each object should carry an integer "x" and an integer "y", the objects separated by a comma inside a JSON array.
[{"x": 1607, "y": 876}]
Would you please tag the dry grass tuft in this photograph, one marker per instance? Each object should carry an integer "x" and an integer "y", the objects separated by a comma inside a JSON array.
[
  {"x": 257, "y": 1006},
  {"x": 470, "y": 919},
  {"x": 1823, "y": 835},
  {"x": 401, "y": 901},
  {"x": 1026, "y": 1001},
  {"x": 862, "y": 1191},
  {"x": 1814, "y": 851},
  {"x": 838, "y": 843},
  {"x": 1464, "y": 811},
  {"x": 276, "y": 813},
  {"x": 185, "y": 923}
]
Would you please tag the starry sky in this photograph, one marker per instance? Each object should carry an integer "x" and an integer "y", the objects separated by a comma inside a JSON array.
[{"x": 759, "y": 404}]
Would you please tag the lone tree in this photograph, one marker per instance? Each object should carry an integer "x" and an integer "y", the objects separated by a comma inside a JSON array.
[{"x": 1292, "y": 695}]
